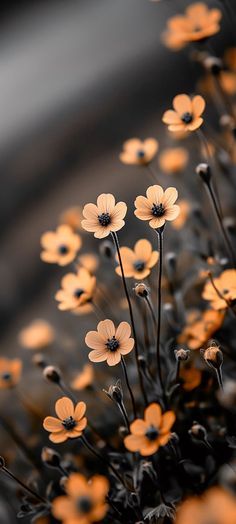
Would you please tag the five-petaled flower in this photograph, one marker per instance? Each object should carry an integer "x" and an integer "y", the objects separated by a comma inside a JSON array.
[
  {"x": 186, "y": 115},
  {"x": 200, "y": 327},
  {"x": 10, "y": 372},
  {"x": 215, "y": 505},
  {"x": 223, "y": 293},
  {"x": 109, "y": 343},
  {"x": 158, "y": 206},
  {"x": 137, "y": 152},
  {"x": 60, "y": 246},
  {"x": 70, "y": 422},
  {"x": 173, "y": 160},
  {"x": 77, "y": 290},
  {"x": 84, "y": 502},
  {"x": 149, "y": 434},
  {"x": 198, "y": 23},
  {"x": 137, "y": 263},
  {"x": 105, "y": 217},
  {"x": 37, "y": 335}
]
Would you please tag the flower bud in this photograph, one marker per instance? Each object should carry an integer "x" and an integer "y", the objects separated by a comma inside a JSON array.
[
  {"x": 181, "y": 354},
  {"x": 115, "y": 392},
  {"x": 50, "y": 457},
  {"x": 198, "y": 432},
  {"x": 39, "y": 360},
  {"x": 141, "y": 290},
  {"x": 52, "y": 374},
  {"x": 213, "y": 356},
  {"x": 107, "y": 249},
  {"x": 213, "y": 64},
  {"x": 204, "y": 171}
]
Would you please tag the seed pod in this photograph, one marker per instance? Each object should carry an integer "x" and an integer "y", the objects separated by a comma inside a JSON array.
[
  {"x": 52, "y": 374},
  {"x": 141, "y": 290},
  {"x": 50, "y": 457},
  {"x": 204, "y": 171}
]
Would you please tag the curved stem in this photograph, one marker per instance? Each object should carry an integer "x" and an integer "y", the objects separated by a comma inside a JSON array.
[
  {"x": 116, "y": 242},
  {"x": 128, "y": 385},
  {"x": 151, "y": 309},
  {"x": 24, "y": 486}
]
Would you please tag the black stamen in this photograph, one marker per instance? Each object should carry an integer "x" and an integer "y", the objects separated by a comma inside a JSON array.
[
  {"x": 187, "y": 118},
  {"x": 158, "y": 210},
  {"x": 104, "y": 219},
  {"x": 139, "y": 265},
  {"x": 69, "y": 423},
  {"x": 151, "y": 433},
  {"x": 112, "y": 344},
  {"x": 6, "y": 376},
  {"x": 84, "y": 505},
  {"x": 78, "y": 293},
  {"x": 63, "y": 249},
  {"x": 140, "y": 154}
]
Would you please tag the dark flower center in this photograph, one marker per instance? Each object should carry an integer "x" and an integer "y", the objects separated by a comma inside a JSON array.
[
  {"x": 139, "y": 265},
  {"x": 84, "y": 505},
  {"x": 69, "y": 423},
  {"x": 158, "y": 210},
  {"x": 225, "y": 291},
  {"x": 78, "y": 293},
  {"x": 104, "y": 219},
  {"x": 6, "y": 376},
  {"x": 187, "y": 118},
  {"x": 63, "y": 249},
  {"x": 152, "y": 433},
  {"x": 140, "y": 154},
  {"x": 112, "y": 344}
]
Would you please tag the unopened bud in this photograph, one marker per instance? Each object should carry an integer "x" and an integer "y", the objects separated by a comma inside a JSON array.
[
  {"x": 213, "y": 356},
  {"x": 204, "y": 171},
  {"x": 52, "y": 374},
  {"x": 181, "y": 354},
  {"x": 50, "y": 457},
  {"x": 198, "y": 432},
  {"x": 115, "y": 392},
  {"x": 39, "y": 360},
  {"x": 107, "y": 249},
  {"x": 141, "y": 290},
  {"x": 213, "y": 64}
]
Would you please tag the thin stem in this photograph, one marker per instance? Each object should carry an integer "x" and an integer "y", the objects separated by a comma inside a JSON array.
[
  {"x": 151, "y": 309},
  {"x": 67, "y": 391},
  {"x": 220, "y": 378},
  {"x": 152, "y": 173},
  {"x": 24, "y": 486},
  {"x": 128, "y": 385},
  {"x": 21, "y": 444},
  {"x": 116, "y": 242},
  {"x": 160, "y": 238},
  {"x": 92, "y": 450},
  {"x": 177, "y": 371}
]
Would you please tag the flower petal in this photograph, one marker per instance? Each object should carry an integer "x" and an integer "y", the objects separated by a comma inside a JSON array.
[
  {"x": 80, "y": 409},
  {"x": 94, "y": 340},
  {"x": 57, "y": 438},
  {"x": 167, "y": 421},
  {"x": 182, "y": 104},
  {"x": 138, "y": 427},
  {"x": 123, "y": 332},
  {"x": 64, "y": 408},
  {"x": 52, "y": 424},
  {"x": 135, "y": 442},
  {"x": 105, "y": 203},
  {"x": 155, "y": 194},
  {"x": 98, "y": 355},
  {"x": 153, "y": 415},
  {"x": 106, "y": 329}
]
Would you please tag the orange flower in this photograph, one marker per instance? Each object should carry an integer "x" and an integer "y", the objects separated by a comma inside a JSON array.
[
  {"x": 181, "y": 220},
  {"x": 196, "y": 24},
  {"x": 89, "y": 261},
  {"x": 105, "y": 217},
  {"x": 77, "y": 290},
  {"x": 61, "y": 246},
  {"x": 109, "y": 343},
  {"x": 137, "y": 263},
  {"x": 10, "y": 372},
  {"x": 200, "y": 328},
  {"x": 85, "y": 501},
  {"x": 186, "y": 114},
  {"x": 173, "y": 160},
  {"x": 84, "y": 379},
  {"x": 226, "y": 286},
  {"x": 70, "y": 422},
  {"x": 137, "y": 152},
  {"x": 215, "y": 505},
  {"x": 72, "y": 217},
  {"x": 191, "y": 377},
  {"x": 149, "y": 434},
  {"x": 37, "y": 335},
  {"x": 158, "y": 206}
]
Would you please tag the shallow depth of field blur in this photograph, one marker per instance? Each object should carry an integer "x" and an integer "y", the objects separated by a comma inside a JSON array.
[{"x": 78, "y": 79}]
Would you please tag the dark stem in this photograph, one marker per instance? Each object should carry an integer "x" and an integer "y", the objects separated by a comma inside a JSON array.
[
  {"x": 116, "y": 242},
  {"x": 128, "y": 385},
  {"x": 24, "y": 486},
  {"x": 21, "y": 444},
  {"x": 67, "y": 391},
  {"x": 177, "y": 371},
  {"x": 158, "y": 356},
  {"x": 103, "y": 459},
  {"x": 151, "y": 309}
]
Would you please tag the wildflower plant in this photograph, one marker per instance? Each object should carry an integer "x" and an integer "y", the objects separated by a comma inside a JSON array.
[{"x": 144, "y": 394}]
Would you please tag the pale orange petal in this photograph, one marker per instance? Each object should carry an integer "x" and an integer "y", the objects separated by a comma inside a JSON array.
[
  {"x": 155, "y": 194},
  {"x": 80, "y": 409},
  {"x": 113, "y": 358},
  {"x": 135, "y": 442},
  {"x": 138, "y": 427},
  {"x": 64, "y": 408},
  {"x": 198, "y": 104},
  {"x": 94, "y": 340},
  {"x": 57, "y": 438},
  {"x": 167, "y": 421},
  {"x": 123, "y": 332},
  {"x": 98, "y": 355},
  {"x": 106, "y": 329},
  {"x": 171, "y": 117},
  {"x": 153, "y": 414},
  {"x": 182, "y": 104},
  {"x": 52, "y": 424},
  {"x": 105, "y": 203}
]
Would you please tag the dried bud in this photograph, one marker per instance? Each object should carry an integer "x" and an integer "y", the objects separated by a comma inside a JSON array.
[
  {"x": 213, "y": 64},
  {"x": 2, "y": 462},
  {"x": 50, "y": 457},
  {"x": 141, "y": 290},
  {"x": 204, "y": 171},
  {"x": 198, "y": 432},
  {"x": 115, "y": 392},
  {"x": 181, "y": 354},
  {"x": 213, "y": 356},
  {"x": 39, "y": 360},
  {"x": 107, "y": 249},
  {"x": 52, "y": 374},
  {"x": 123, "y": 431}
]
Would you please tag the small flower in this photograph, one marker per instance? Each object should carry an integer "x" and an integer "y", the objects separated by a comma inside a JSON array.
[
  {"x": 186, "y": 114},
  {"x": 77, "y": 290},
  {"x": 201, "y": 326},
  {"x": 137, "y": 263},
  {"x": 184, "y": 211},
  {"x": 223, "y": 293},
  {"x": 105, "y": 217},
  {"x": 137, "y": 152},
  {"x": 72, "y": 217},
  {"x": 70, "y": 422},
  {"x": 173, "y": 160},
  {"x": 215, "y": 505},
  {"x": 109, "y": 343},
  {"x": 198, "y": 23},
  {"x": 60, "y": 246},
  {"x": 158, "y": 206},
  {"x": 10, "y": 372},
  {"x": 84, "y": 502},
  {"x": 83, "y": 379},
  {"x": 37, "y": 335},
  {"x": 149, "y": 434}
]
